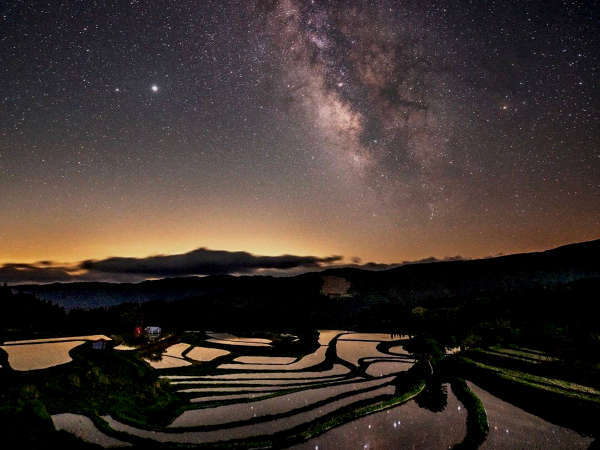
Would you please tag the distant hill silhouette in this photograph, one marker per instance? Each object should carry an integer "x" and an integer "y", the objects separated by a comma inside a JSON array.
[{"x": 405, "y": 285}]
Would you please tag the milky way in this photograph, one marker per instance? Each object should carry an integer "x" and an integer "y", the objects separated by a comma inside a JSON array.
[
  {"x": 386, "y": 130},
  {"x": 369, "y": 84}
]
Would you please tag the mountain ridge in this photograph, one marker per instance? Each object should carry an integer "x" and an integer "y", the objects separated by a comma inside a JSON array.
[{"x": 437, "y": 279}]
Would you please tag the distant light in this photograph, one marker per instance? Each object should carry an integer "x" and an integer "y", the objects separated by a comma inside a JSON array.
[{"x": 154, "y": 88}]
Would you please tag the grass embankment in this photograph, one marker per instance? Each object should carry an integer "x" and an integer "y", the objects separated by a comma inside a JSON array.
[
  {"x": 550, "y": 384},
  {"x": 532, "y": 386},
  {"x": 477, "y": 421},
  {"x": 94, "y": 383}
]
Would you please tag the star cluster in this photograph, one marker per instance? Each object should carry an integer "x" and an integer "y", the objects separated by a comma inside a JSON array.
[{"x": 388, "y": 130}]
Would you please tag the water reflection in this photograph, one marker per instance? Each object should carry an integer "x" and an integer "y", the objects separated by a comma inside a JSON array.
[
  {"x": 405, "y": 426},
  {"x": 512, "y": 427}
]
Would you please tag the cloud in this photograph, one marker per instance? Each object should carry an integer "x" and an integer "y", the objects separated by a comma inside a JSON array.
[
  {"x": 197, "y": 262},
  {"x": 356, "y": 263},
  {"x": 203, "y": 262},
  {"x": 42, "y": 272}
]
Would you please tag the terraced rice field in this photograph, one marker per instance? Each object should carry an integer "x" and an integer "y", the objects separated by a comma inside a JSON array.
[
  {"x": 230, "y": 339},
  {"x": 264, "y": 428},
  {"x": 93, "y": 337},
  {"x": 168, "y": 362},
  {"x": 173, "y": 356},
  {"x": 326, "y": 336},
  {"x": 206, "y": 353},
  {"x": 24, "y": 357},
  {"x": 512, "y": 427},
  {"x": 383, "y": 368},
  {"x": 354, "y": 351},
  {"x": 84, "y": 428},
  {"x": 272, "y": 406},
  {"x": 265, "y": 359},
  {"x": 124, "y": 348},
  {"x": 254, "y": 381},
  {"x": 176, "y": 351},
  {"x": 35, "y": 354},
  {"x": 336, "y": 370},
  {"x": 407, "y": 426},
  {"x": 397, "y": 350},
  {"x": 251, "y": 397},
  {"x": 373, "y": 337},
  {"x": 313, "y": 359}
]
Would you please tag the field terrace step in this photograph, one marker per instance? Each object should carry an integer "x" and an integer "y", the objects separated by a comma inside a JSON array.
[
  {"x": 354, "y": 351},
  {"x": 310, "y": 360},
  {"x": 512, "y": 427},
  {"x": 82, "y": 427},
  {"x": 25, "y": 357},
  {"x": 336, "y": 370},
  {"x": 204, "y": 354},
  {"x": 326, "y": 336},
  {"x": 124, "y": 348},
  {"x": 274, "y": 388},
  {"x": 237, "y": 343},
  {"x": 265, "y": 359},
  {"x": 259, "y": 394},
  {"x": 230, "y": 339},
  {"x": 234, "y": 338},
  {"x": 93, "y": 337},
  {"x": 176, "y": 350},
  {"x": 253, "y": 382},
  {"x": 167, "y": 362},
  {"x": 398, "y": 350},
  {"x": 265, "y": 428},
  {"x": 383, "y": 368},
  {"x": 374, "y": 337},
  {"x": 272, "y": 406},
  {"x": 228, "y": 397}
]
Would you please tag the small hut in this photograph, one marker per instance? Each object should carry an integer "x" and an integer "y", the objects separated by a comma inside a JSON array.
[
  {"x": 100, "y": 344},
  {"x": 152, "y": 332}
]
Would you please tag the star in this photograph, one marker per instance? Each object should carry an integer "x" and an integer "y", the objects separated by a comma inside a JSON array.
[{"x": 154, "y": 88}]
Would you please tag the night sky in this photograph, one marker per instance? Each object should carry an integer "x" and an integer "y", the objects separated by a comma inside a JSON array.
[{"x": 376, "y": 130}]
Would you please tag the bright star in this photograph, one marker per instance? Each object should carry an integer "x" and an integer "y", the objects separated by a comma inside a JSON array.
[{"x": 154, "y": 88}]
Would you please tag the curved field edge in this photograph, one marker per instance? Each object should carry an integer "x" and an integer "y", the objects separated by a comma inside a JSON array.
[
  {"x": 477, "y": 421},
  {"x": 317, "y": 429},
  {"x": 564, "y": 408},
  {"x": 96, "y": 382},
  {"x": 284, "y": 438},
  {"x": 267, "y": 395}
]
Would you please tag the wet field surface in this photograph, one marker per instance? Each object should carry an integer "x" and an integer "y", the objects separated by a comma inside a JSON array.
[{"x": 237, "y": 394}]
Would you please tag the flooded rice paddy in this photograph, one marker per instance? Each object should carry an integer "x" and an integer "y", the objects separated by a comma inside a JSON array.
[
  {"x": 37, "y": 354},
  {"x": 406, "y": 426},
  {"x": 344, "y": 392},
  {"x": 511, "y": 427},
  {"x": 24, "y": 357}
]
